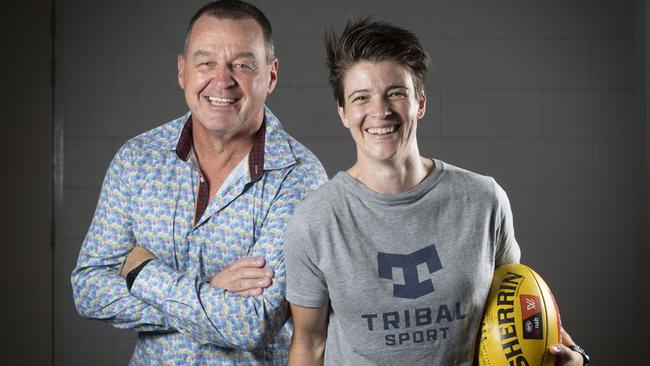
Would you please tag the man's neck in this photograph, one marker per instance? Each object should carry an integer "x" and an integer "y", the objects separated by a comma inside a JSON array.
[
  {"x": 219, "y": 154},
  {"x": 217, "y": 157}
]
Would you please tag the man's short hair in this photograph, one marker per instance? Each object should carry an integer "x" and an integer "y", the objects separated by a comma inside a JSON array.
[
  {"x": 235, "y": 10},
  {"x": 374, "y": 41}
]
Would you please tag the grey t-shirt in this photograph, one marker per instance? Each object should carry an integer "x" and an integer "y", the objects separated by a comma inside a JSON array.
[{"x": 406, "y": 275}]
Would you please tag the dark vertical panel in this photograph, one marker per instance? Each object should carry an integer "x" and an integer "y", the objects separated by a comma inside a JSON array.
[
  {"x": 642, "y": 98},
  {"x": 26, "y": 188},
  {"x": 58, "y": 279}
]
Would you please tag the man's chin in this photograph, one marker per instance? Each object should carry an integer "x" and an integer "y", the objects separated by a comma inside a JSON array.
[{"x": 216, "y": 124}]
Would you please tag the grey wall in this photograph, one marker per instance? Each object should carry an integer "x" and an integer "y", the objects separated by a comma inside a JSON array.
[{"x": 539, "y": 94}]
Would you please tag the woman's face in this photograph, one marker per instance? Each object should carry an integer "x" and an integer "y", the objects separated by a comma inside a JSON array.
[{"x": 381, "y": 108}]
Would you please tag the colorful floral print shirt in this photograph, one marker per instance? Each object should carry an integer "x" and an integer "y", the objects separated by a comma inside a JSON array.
[{"x": 149, "y": 198}]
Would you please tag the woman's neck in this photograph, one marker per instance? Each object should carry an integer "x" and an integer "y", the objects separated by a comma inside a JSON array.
[{"x": 392, "y": 177}]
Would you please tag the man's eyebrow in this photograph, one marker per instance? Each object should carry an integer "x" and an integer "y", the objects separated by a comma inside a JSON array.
[
  {"x": 244, "y": 55},
  {"x": 358, "y": 91},
  {"x": 204, "y": 53},
  {"x": 201, "y": 53}
]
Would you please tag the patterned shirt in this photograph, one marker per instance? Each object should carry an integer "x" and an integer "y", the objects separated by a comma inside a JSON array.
[{"x": 149, "y": 199}]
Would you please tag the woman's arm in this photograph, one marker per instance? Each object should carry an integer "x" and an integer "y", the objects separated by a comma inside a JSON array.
[{"x": 309, "y": 335}]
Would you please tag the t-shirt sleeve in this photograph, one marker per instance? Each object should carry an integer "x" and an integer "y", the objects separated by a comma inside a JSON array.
[
  {"x": 507, "y": 248},
  {"x": 306, "y": 285}
]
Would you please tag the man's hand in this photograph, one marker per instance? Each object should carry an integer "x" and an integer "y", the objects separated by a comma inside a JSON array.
[
  {"x": 136, "y": 256},
  {"x": 565, "y": 356},
  {"x": 245, "y": 277}
]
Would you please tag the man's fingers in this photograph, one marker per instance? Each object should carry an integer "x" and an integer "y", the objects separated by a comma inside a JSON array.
[
  {"x": 248, "y": 268},
  {"x": 245, "y": 285},
  {"x": 247, "y": 262},
  {"x": 235, "y": 283},
  {"x": 246, "y": 277},
  {"x": 248, "y": 273},
  {"x": 254, "y": 273}
]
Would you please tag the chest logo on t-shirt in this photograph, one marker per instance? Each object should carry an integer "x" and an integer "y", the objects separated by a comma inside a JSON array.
[{"x": 409, "y": 263}]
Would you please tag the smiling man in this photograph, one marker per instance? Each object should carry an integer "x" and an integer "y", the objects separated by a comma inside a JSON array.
[{"x": 186, "y": 245}]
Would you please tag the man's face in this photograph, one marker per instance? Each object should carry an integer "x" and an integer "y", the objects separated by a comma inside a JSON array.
[
  {"x": 225, "y": 76},
  {"x": 381, "y": 110}
]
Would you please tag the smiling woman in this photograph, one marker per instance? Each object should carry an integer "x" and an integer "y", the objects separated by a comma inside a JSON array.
[
  {"x": 417, "y": 235},
  {"x": 391, "y": 261},
  {"x": 381, "y": 110}
]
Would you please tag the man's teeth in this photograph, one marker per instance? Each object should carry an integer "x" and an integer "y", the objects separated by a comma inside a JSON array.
[
  {"x": 381, "y": 130},
  {"x": 221, "y": 101}
]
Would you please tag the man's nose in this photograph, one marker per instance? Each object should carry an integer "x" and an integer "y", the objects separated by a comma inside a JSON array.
[{"x": 222, "y": 77}]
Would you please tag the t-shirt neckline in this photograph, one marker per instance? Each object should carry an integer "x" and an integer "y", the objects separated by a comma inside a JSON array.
[{"x": 411, "y": 195}]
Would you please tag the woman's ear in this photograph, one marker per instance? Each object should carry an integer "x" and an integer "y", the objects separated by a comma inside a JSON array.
[
  {"x": 342, "y": 114},
  {"x": 422, "y": 104}
]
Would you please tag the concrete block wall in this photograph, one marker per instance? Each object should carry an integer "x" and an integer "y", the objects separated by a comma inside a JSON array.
[{"x": 536, "y": 93}]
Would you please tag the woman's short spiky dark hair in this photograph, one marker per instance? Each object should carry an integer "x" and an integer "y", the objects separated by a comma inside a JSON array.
[{"x": 371, "y": 40}]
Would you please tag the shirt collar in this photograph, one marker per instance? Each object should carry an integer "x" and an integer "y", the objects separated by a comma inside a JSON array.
[{"x": 271, "y": 149}]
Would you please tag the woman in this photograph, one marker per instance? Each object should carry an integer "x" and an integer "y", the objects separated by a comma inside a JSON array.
[{"x": 391, "y": 261}]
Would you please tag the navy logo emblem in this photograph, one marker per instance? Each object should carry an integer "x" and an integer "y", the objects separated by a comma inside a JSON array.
[{"x": 412, "y": 287}]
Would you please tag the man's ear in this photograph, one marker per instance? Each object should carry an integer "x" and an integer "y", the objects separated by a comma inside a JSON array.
[
  {"x": 181, "y": 70},
  {"x": 342, "y": 114},
  {"x": 275, "y": 65}
]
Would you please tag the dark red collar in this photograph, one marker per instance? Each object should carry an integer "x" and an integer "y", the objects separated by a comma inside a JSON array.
[{"x": 255, "y": 158}]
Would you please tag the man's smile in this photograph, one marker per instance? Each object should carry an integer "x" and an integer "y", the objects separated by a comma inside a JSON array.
[{"x": 221, "y": 102}]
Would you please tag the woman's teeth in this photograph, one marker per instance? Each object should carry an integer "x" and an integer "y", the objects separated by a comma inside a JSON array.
[{"x": 381, "y": 130}]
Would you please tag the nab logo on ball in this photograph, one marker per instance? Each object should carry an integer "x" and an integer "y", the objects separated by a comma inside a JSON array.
[
  {"x": 412, "y": 287},
  {"x": 531, "y": 312}
]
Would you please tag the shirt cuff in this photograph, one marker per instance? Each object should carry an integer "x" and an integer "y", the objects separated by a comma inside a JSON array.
[
  {"x": 307, "y": 301},
  {"x": 154, "y": 282}
]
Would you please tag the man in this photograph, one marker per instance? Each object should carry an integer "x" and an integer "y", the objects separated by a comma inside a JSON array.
[{"x": 186, "y": 243}]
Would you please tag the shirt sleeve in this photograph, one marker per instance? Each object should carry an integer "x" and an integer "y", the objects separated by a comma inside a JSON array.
[
  {"x": 99, "y": 290},
  {"x": 306, "y": 285},
  {"x": 507, "y": 248},
  {"x": 212, "y": 315}
]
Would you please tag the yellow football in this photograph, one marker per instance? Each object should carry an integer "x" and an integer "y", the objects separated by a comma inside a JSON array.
[{"x": 521, "y": 320}]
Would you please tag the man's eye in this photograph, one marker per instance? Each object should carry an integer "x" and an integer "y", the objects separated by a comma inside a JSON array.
[
  {"x": 243, "y": 66},
  {"x": 397, "y": 94},
  {"x": 206, "y": 64},
  {"x": 360, "y": 98}
]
